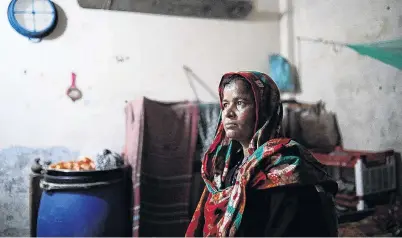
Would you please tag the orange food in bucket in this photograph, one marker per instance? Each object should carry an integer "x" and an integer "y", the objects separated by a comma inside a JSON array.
[{"x": 83, "y": 164}]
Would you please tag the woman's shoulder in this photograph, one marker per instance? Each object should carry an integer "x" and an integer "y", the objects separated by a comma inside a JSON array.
[
  {"x": 288, "y": 142},
  {"x": 287, "y": 147},
  {"x": 286, "y": 153}
]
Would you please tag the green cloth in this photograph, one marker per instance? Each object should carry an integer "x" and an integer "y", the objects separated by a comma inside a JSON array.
[{"x": 389, "y": 52}]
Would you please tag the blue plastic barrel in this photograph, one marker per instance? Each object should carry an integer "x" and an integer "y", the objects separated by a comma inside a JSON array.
[{"x": 85, "y": 203}]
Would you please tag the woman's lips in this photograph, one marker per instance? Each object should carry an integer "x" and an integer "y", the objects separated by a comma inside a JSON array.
[{"x": 230, "y": 125}]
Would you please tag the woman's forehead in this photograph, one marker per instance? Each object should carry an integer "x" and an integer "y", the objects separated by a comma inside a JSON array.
[{"x": 237, "y": 87}]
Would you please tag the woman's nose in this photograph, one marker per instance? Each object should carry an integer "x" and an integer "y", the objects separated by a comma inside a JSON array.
[{"x": 229, "y": 113}]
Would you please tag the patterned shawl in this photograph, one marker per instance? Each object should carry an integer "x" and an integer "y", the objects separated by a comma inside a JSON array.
[{"x": 272, "y": 162}]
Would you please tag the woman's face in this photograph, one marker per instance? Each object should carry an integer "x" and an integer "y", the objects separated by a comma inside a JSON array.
[{"x": 238, "y": 114}]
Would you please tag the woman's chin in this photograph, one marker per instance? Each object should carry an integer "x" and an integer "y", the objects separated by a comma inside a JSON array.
[{"x": 231, "y": 134}]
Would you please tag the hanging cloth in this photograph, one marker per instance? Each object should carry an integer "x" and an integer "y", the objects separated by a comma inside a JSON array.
[
  {"x": 388, "y": 52},
  {"x": 281, "y": 72}
]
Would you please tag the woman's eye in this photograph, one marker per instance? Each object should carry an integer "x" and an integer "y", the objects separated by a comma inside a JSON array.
[
  {"x": 225, "y": 105},
  {"x": 240, "y": 103}
]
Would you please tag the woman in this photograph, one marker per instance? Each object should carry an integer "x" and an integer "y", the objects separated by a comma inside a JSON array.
[{"x": 258, "y": 184}]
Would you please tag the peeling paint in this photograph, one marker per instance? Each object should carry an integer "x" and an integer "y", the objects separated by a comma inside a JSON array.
[
  {"x": 122, "y": 59},
  {"x": 380, "y": 27},
  {"x": 15, "y": 167},
  {"x": 400, "y": 21}
]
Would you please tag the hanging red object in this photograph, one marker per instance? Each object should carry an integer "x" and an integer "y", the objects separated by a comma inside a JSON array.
[{"x": 73, "y": 92}]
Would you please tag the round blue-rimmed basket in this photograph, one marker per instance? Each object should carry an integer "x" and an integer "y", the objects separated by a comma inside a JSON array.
[{"x": 33, "y": 19}]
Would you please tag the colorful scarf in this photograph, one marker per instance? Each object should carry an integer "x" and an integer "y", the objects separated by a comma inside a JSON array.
[{"x": 270, "y": 164}]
